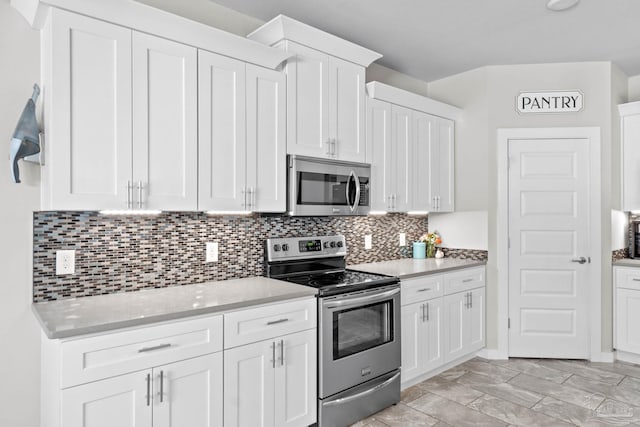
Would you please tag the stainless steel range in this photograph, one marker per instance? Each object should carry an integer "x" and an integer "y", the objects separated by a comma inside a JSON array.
[{"x": 358, "y": 326}]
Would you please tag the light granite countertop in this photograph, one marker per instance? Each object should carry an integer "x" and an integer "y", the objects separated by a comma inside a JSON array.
[
  {"x": 627, "y": 262},
  {"x": 410, "y": 267},
  {"x": 79, "y": 316}
]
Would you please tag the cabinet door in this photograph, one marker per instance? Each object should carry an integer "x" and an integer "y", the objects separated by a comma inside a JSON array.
[
  {"x": 411, "y": 331},
  {"x": 88, "y": 110},
  {"x": 249, "y": 385},
  {"x": 189, "y": 393},
  {"x": 119, "y": 401},
  {"x": 295, "y": 381},
  {"x": 432, "y": 355},
  {"x": 307, "y": 101},
  {"x": 628, "y": 320},
  {"x": 476, "y": 319},
  {"x": 379, "y": 147},
  {"x": 402, "y": 137},
  {"x": 347, "y": 110},
  {"x": 222, "y": 139},
  {"x": 455, "y": 317},
  {"x": 445, "y": 160},
  {"x": 165, "y": 124},
  {"x": 630, "y": 132},
  {"x": 424, "y": 127},
  {"x": 266, "y": 139}
]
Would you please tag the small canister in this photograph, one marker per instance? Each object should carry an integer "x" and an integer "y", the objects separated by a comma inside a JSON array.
[{"x": 419, "y": 250}]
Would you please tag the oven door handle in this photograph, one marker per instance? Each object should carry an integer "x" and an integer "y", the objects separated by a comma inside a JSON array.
[
  {"x": 355, "y": 301},
  {"x": 372, "y": 390}
]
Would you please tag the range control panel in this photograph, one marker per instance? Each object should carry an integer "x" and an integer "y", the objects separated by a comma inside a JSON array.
[{"x": 289, "y": 248}]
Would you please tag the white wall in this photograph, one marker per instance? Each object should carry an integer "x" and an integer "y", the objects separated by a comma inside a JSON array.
[
  {"x": 19, "y": 332},
  {"x": 490, "y": 93},
  {"x": 634, "y": 88},
  {"x": 461, "y": 230}
]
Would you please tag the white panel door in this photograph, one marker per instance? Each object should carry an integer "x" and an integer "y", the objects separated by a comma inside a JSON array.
[
  {"x": 411, "y": 332},
  {"x": 476, "y": 322},
  {"x": 119, "y": 401},
  {"x": 295, "y": 381},
  {"x": 189, "y": 393},
  {"x": 222, "y": 139},
  {"x": 307, "y": 101},
  {"x": 445, "y": 160},
  {"x": 402, "y": 140},
  {"x": 628, "y": 320},
  {"x": 424, "y": 139},
  {"x": 433, "y": 355},
  {"x": 266, "y": 139},
  {"x": 165, "y": 124},
  {"x": 549, "y": 232},
  {"x": 89, "y": 140},
  {"x": 379, "y": 143},
  {"x": 347, "y": 110},
  {"x": 249, "y": 375},
  {"x": 455, "y": 317}
]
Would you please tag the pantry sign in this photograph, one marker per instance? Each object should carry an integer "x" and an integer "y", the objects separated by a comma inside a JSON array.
[{"x": 550, "y": 102}]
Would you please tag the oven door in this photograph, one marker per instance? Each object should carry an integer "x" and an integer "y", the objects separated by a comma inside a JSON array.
[
  {"x": 359, "y": 338},
  {"x": 327, "y": 187}
]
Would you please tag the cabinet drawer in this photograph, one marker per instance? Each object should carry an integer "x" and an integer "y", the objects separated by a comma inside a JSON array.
[
  {"x": 262, "y": 323},
  {"x": 627, "y": 278},
  {"x": 421, "y": 288},
  {"x": 463, "y": 280},
  {"x": 97, "y": 357}
]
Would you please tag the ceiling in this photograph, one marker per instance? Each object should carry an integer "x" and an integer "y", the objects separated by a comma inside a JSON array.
[{"x": 431, "y": 39}]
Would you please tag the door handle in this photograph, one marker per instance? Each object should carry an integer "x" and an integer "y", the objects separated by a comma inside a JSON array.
[{"x": 580, "y": 260}]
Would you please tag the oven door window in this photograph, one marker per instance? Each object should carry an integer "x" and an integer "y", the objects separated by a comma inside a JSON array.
[{"x": 362, "y": 328}]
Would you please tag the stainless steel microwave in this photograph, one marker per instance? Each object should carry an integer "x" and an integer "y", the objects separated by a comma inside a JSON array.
[{"x": 319, "y": 187}]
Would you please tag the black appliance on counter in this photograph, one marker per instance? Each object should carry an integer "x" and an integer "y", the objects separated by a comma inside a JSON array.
[
  {"x": 634, "y": 240},
  {"x": 358, "y": 326}
]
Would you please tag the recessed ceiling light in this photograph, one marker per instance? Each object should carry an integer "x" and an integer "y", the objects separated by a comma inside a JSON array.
[{"x": 560, "y": 5}]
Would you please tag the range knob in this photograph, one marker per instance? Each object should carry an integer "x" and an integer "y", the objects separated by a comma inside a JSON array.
[
  {"x": 339, "y": 244},
  {"x": 333, "y": 244},
  {"x": 285, "y": 247},
  {"x": 276, "y": 247},
  {"x": 326, "y": 245}
]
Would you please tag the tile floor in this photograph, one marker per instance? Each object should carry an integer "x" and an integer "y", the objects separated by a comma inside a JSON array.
[{"x": 524, "y": 392}]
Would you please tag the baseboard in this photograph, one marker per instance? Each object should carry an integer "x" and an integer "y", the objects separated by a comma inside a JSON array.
[
  {"x": 604, "y": 356},
  {"x": 627, "y": 357},
  {"x": 492, "y": 354}
]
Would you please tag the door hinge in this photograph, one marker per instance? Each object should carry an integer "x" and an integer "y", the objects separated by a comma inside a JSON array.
[{"x": 509, "y": 323}]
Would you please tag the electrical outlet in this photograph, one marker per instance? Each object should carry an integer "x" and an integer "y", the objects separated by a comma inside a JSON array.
[
  {"x": 367, "y": 241},
  {"x": 212, "y": 252},
  {"x": 403, "y": 239},
  {"x": 65, "y": 262}
]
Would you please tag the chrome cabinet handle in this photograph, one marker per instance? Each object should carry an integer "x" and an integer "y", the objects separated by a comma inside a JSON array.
[
  {"x": 466, "y": 300},
  {"x": 467, "y": 280},
  {"x": 244, "y": 197},
  {"x": 635, "y": 279},
  {"x": 139, "y": 194},
  {"x": 155, "y": 347},
  {"x": 273, "y": 354},
  {"x": 580, "y": 260},
  {"x": 161, "y": 386},
  {"x": 427, "y": 304},
  {"x": 422, "y": 312},
  {"x": 148, "y": 389},
  {"x": 328, "y": 142},
  {"x": 129, "y": 194},
  {"x": 275, "y": 322},
  {"x": 389, "y": 202},
  {"x": 281, "y": 352},
  {"x": 253, "y": 198},
  {"x": 470, "y": 299},
  {"x": 423, "y": 290}
]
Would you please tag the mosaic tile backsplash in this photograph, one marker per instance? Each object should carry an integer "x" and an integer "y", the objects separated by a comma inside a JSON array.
[{"x": 129, "y": 253}]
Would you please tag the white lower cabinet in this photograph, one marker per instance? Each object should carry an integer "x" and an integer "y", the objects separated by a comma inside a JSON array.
[
  {"x": 438, "y": 326},
  {"x": 627, "y": 310},
  {"x": 186, "y": 393},
  {"x": 271, "y": 382}
]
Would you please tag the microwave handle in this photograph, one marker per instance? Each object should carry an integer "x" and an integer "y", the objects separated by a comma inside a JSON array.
[{"x": 353, "y": 178}]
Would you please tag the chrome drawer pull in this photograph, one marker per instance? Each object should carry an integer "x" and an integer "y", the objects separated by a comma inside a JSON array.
[
  {"x": 423, "y": 290},
  {"x": 275, "y": 322},
  {"x": 467, "y": 280},
  {"x": 155, "y": 347},
  {"x": 635, "y": 279}
]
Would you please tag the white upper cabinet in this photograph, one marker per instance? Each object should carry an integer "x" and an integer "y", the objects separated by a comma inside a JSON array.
[
  {"x": 419, "y": 167},
  {"x": 325, "y": 90},
  {"x": 165, "y": 124},
  {"x": 88, "y": 124},
  {"x": 242, "y": 156},
  {"x": 630, "y": 155}
]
